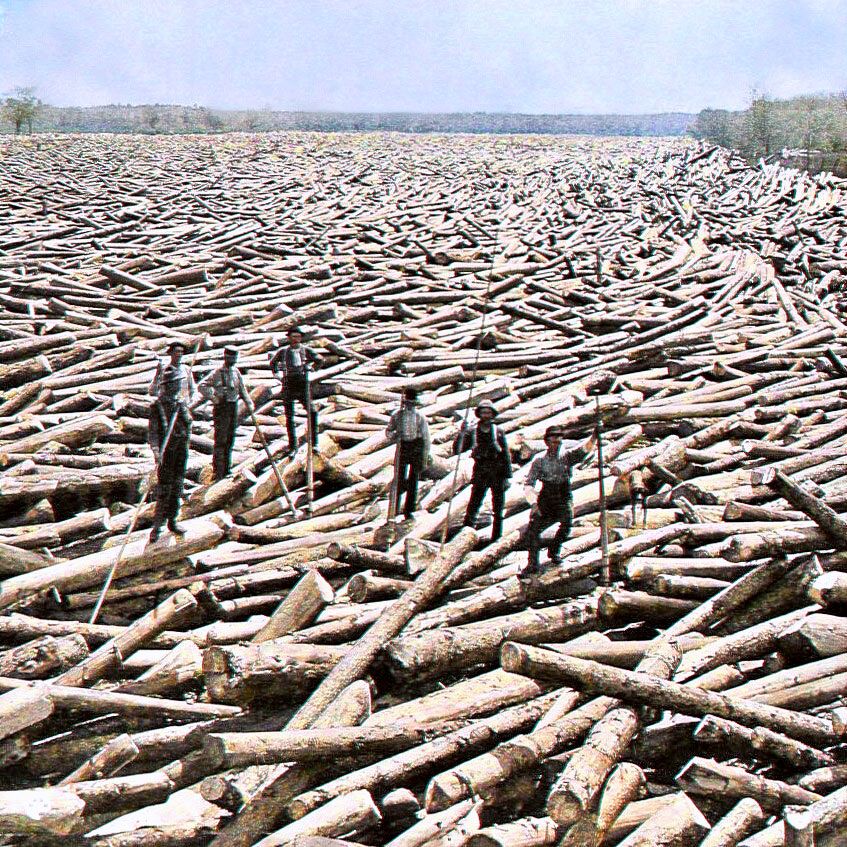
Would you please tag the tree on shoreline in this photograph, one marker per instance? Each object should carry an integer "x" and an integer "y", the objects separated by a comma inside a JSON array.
[{"x": 21, "y": 107}]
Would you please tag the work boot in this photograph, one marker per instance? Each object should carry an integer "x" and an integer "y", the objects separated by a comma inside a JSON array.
[
  {"x": 155, "y": 532},
  {"x": 554, "y": 555},
  {"x": 175, "y": 528}
]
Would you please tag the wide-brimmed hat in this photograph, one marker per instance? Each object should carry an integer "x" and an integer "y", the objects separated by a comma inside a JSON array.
[
  {"x": 292, "y": 329},
  {"x": 174, "y": 344},
  {"x": 553, "y": 430},
  {"x": 485, "y": 404},
  {"x": 410, "y": 394}
]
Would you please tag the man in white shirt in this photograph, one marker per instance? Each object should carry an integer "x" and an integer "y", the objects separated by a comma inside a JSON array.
[
  {"x": 224, "y": 386},
  {"x": 409, "y": 430}
]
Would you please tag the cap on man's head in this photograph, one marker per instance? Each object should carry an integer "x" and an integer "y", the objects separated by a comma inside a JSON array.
[
  {"x": 174, "y": 345},
  {"x": 485, "y": 404},
  {"x": 294, "y": 329},
  {"x": 230, "y": 351},
  {"x": 553, "y": 430},
  {"x": 410, "y": 394}
]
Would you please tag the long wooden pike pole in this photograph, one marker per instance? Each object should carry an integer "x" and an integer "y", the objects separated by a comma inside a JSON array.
[
  {"x": 310, "y": 451},
  {"x": 485, "y": 303},
  {"x": 280, "y": 481},
  {"x": 601, "y": 479},
  {"x": 149, "y": 481}
]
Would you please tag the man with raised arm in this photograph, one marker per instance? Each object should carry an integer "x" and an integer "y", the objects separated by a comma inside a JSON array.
[{"x": 554, "y": 502}]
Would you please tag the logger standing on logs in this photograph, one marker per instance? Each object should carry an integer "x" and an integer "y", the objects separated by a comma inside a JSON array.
[
  {"x": 408, "y": 429},
  {"x": 291, "y": 365},
  {"x": 168, "y": 433},
  {"x": 223, "y": 386},
  {"x": 492, "y": 465},
  {"x": 554, "y": 503}
]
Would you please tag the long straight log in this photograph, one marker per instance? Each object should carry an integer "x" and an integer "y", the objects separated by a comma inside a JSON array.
[
  {"x": 648, "y": 690},
  {"x": 826, "y": 518},
  {"x": 578, "y": 788},
  {"x": 708, "y": 777},
  {"x": 201, "y": 534}
]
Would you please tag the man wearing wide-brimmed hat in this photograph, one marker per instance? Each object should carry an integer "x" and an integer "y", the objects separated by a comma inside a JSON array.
[
  {"x": 224, "y": 386},
  {"x": 291, "y": 365},
  {"x": 168, "y": 433},
  {"x": 554, "y": 503},
  {"x": 409, "y": 430},
  {"x": 492, "y": 467}
]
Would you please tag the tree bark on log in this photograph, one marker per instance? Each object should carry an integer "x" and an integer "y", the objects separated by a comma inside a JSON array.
[{"x": 711, "y": 778}]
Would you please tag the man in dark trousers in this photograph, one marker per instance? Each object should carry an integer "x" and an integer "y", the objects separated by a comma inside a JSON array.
[
  {"x": 224, "y": 386},
  {"x": 554, "y": 503},
  {"x": 492, "y": 467},
  {"x": 408, "y": 429},
  {"x": 168, "y": 433},
  {"x": 292, "y": 364}
]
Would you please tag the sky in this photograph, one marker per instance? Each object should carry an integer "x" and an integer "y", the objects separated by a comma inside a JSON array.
[{"x": 531, "y": 56}]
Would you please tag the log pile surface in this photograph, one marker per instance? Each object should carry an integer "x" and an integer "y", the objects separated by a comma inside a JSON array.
[{"x": 275, "y": 678}]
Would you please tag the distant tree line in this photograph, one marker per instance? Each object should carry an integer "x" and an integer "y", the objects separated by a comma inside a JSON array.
[
  {"x": 808, "y": 132},
  {"x": 162, "y": 118}
]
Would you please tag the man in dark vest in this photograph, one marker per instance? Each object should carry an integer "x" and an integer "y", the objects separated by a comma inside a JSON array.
[
  {"x": 168, "y": 433},
  {"x": 554, "y": 503},
  {"x": 224, "y": 386},
  {"x": 291, "y": 365},
  {"x": 408, "y": 428},
  {"x": 492, "y": 465}
]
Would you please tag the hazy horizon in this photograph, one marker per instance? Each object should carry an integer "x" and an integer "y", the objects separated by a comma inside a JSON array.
[{"x": 531, "y": 57}]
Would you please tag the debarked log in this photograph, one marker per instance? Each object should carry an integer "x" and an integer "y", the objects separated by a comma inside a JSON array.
[
  {"x": 353, "y": 812},
  {"x": 827, "y": 814},
  {"x": 239, "y": 749},
  {"x": 482, "y": 775},
  {"x": 300, "y": 607},
  {"x": 138, "y": 555},
  {"x": 648, "y": 690}
]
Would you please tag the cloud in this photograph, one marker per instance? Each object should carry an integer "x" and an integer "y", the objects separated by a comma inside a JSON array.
[{"x": 440, "y": 55}]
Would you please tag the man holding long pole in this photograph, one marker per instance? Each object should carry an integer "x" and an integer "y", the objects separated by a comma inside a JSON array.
[
  {"x": 291, "y": 365},
  {"x": 168, "y": 434},
  {"x": 224, "y": 386}
]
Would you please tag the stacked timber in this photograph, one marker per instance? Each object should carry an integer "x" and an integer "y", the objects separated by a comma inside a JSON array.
[{"x": 306, "y": 673}]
